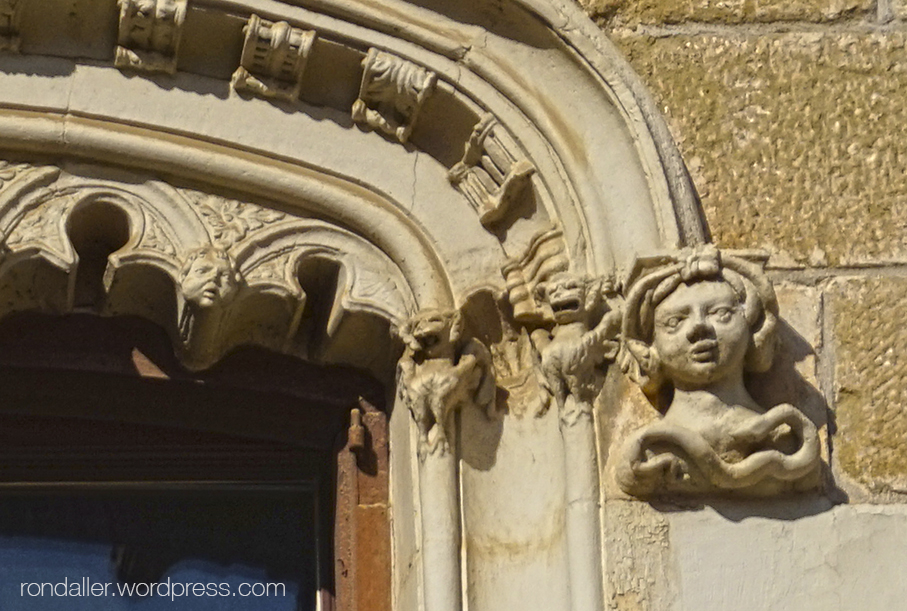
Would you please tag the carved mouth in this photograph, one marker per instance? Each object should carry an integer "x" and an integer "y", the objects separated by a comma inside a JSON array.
[
  {"x": 429, "y": 340},
  {"x": 705, "y": 351},
  {"x": 568, "y": 304}
]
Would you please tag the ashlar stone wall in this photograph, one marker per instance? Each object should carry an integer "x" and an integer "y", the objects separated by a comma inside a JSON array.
[{"x": 791, "y": 117}]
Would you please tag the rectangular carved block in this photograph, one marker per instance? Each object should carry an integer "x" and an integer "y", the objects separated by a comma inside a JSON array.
[
  {"x": 545, "y": 256},
  {"x": 149, "y": 34},
  {"x": 492, "y": 173},
  {"x": 391, "y": 94},
  {"x": 9, "y": 24},
  {"x": 274, "y": 58}
]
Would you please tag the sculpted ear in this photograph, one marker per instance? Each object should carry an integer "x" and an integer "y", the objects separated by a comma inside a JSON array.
[
  {"x": 540, "y": 292},
  {"x": 644, "y": 355},
  {"x": 406, "y": 334},
  {"x": 456, "y": 327},
  {"x": 593, "y": 294}
]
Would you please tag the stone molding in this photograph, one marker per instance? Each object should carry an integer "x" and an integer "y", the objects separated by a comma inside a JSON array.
[
  {"x": 492, "y": 174},
  {"x": 181, "y": 156}
]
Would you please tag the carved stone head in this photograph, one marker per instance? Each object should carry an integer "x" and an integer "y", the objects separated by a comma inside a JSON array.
[
  {"x": 697, "y": 319},
  {"x": 572, "y": 298},
  {"x": 209, "y": 277},
  {"x": 433, "y": 334}
]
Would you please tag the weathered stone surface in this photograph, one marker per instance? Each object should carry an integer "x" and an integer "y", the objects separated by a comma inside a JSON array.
[
  {"x": 803, "y": 556},
  {"x": 790, "y": 136},
  {"x": 871, "y": 381},
  {"x": 633, "y": 12}
]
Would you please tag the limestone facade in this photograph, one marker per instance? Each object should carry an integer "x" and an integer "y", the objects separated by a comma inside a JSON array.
[{"x": 601, "y": 392}]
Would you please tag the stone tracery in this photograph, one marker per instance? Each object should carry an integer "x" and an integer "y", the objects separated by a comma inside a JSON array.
[{"x": 222, "y": 256}]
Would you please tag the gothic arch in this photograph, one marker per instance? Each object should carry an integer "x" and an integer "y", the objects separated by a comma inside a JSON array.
[{"x": 404, "y": 156}]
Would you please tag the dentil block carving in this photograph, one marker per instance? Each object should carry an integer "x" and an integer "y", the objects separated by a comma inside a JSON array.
[
  {"x": 693, "y": 324},
  {"x": 492, "y": 175},
  {"x": 274, "y": 57},
  {"x": 439, "y": 374},
  {"x": 150, "y": 32},
  {"x": 583, "y": 340},
  {"x": 391, "y": 94},
  {"x": 9, "y": 25},
  {"x": 545, "y": 256}
]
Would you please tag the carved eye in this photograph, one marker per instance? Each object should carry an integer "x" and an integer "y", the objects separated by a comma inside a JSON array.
[
  {"x": 673, "y": 322},
  {"x": 722, "y": 314}
]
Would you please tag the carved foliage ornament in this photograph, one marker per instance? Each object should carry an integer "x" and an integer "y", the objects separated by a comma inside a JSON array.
[
  {"x": 149, "y": 34},
  {"x": 391, "y": 94},
  {"x": 694, "y": 322},
  {"x": 492, "y": 174},
  {"x": 440, "y": 373},
  {"x": 273, "y": 60}
]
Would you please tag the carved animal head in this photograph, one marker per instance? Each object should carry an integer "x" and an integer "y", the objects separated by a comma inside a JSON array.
[
  {"x": 209, "y": 277},
  {"x": 433, "y": 333},
  {"x": 573, "y": 298},
  {"x": 696, "y": 317}
]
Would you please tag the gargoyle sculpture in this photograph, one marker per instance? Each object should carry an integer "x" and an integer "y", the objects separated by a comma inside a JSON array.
[
  {"x": 573, "y": 353},
  {"x": 440, "y": 373}
]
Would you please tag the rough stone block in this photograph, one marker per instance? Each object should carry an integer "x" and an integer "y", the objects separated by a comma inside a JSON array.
[
  {"x": 796, "y": 141},
  {"x": 871, "y": 381},
  {"x": 793, "y": 378},
  {"x": 667, "y": 12}
]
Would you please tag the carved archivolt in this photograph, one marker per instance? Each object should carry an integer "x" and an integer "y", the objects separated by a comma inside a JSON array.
[{"x": 235, "y": 266}]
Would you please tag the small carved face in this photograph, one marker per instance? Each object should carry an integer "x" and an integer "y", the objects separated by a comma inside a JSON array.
[
  {"x": 701, "y": 335},
  {"x": 430, "y": 333},
  {"x": 566, "y": 295},
  {"x": 208, "y": 278}
]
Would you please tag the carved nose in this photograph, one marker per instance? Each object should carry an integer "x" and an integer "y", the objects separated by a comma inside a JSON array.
[{"x": 701, "y": 329}]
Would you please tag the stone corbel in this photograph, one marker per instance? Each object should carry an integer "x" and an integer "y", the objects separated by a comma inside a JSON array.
[
  {"x": 694, "y": 322},
  {"x": 274, "y": 58},
  {"x": 208, "y": 285},
  {"x": 440, "y": 374},
  {"x": 492, "y": 173},
  {"x": 10, "y": 11},
  {"x": 149, "y": 34},
  {"x": 391, "y": 93}
]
